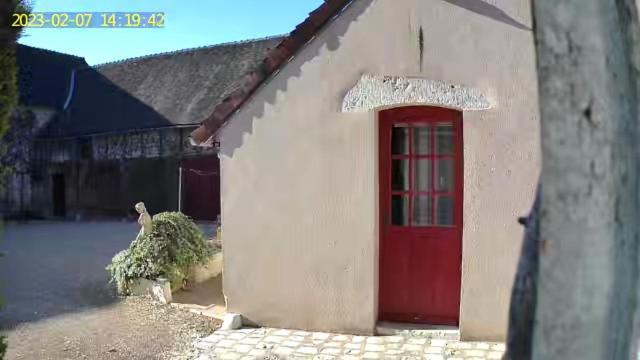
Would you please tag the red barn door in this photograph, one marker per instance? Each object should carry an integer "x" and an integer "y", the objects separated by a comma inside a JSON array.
[{"x": 201, "y": 188}]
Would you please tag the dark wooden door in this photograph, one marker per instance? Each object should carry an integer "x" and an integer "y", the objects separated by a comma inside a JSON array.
[
  {"x": 58, "y": 195},
  {"x": 421, "y": 185}
]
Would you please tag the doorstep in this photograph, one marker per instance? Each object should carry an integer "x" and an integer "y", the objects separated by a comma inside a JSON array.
[{"x": 418, "y": 330}]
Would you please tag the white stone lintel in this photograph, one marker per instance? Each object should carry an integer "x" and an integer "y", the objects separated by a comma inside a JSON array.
[{"x": 376, "y": 91}]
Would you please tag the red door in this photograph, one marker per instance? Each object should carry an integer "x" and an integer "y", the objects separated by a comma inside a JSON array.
[
  {"x": 201, "y": 188},
  {"x": 420, "y": 215}
]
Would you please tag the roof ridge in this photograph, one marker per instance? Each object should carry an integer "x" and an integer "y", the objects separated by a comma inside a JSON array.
[{"x": 185, "y": 50}]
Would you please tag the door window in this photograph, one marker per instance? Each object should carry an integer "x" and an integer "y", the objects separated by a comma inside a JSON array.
[{"x": 422, "y": 174}]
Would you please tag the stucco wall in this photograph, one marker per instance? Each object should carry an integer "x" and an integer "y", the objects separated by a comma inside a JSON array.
[{"x": 299, "y": 177}]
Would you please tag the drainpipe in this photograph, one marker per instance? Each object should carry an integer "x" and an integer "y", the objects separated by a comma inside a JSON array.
[{"x": 72, "y": 83}]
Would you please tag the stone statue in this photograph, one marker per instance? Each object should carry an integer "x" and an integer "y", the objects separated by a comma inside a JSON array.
[{"x": 146, "y": 225}]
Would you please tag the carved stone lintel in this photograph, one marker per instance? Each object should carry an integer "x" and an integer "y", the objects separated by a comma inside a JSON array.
[{"x": 375, "y": 91}]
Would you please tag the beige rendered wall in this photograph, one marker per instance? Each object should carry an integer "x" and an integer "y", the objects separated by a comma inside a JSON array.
[{"x": 300, "y": 178}]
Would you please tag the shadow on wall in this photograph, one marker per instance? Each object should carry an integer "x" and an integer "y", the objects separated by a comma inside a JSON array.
[
  {"x": 491, "y": 11},
  {"x": 332, "y": 41},
  {"x": 277, "y": 82},
  {"x": 98, "y": 105}
]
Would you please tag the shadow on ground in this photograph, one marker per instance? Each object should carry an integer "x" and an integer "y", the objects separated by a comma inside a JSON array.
[
  {"x": 204, "y": 294},
  {"x": 53, "y": 268}
]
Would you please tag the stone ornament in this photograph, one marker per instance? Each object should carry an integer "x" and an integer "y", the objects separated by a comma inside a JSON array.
[
  {"x": 375, "y": 91},
  {"x": 146, "y": 224}
]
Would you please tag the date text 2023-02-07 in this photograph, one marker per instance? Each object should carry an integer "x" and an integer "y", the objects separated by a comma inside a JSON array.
[{"x": 148, "y": 20}]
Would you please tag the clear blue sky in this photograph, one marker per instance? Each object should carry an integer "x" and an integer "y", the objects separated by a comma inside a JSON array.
[{"x": 189, "y": 23}]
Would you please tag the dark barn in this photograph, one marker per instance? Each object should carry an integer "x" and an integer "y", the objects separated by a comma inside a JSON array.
[{"x": 119, "y": 133}]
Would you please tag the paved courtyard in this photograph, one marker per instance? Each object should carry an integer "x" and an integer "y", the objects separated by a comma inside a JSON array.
[{"x": 267, "y": 343}]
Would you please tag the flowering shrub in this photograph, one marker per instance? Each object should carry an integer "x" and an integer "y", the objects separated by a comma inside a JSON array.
[{"x": 171, "y": 249}]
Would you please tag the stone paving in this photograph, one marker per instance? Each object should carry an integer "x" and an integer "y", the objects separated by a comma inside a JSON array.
[{"x": 266, "y": 343}]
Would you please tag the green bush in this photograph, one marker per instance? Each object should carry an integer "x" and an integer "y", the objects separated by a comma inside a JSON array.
[{"x": 173, "y": 247}]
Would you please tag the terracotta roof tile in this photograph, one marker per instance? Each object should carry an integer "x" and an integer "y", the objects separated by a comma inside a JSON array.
[{"x": 274, "y": 59}]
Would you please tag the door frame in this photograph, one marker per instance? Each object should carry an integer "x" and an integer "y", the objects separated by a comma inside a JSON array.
[{"x": 454, "y": 115}]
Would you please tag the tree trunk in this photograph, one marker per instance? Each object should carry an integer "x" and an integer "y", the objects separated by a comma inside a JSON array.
[{"x": 587, "y": 52}]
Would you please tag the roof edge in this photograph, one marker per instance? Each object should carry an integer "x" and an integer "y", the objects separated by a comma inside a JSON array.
[
  {"x": 52, "y": 51},
  {"x": 186, "y": 50},
  {"x": 275, "y": 59}
]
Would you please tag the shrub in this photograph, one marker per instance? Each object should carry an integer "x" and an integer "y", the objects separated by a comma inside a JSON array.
[{"x": 171, "y": 249}]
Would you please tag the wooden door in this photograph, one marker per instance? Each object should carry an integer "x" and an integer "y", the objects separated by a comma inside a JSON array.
[
  {"x": 421, "y": 185},
  {"x": 59, "y": 197},
  {"x": 201, "y": 188}
]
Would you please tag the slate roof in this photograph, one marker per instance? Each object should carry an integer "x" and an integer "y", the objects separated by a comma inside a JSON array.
[
  {"x": 100, "y": 106},
  {"x": 168, "y": 89},
  {"x": 44, "y": 76},
  {"x": 184, "y": 86},
  {"x": 274, "y": 60}
]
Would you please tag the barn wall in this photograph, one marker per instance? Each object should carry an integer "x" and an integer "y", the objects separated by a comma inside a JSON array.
[
  {"x": 111, "y": 188},
  {"x": 106, "y": 175},
  {"x": 299, "y": 177}
]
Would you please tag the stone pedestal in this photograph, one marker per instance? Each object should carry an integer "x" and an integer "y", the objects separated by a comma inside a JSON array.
[{"x": 159, "y": 290}]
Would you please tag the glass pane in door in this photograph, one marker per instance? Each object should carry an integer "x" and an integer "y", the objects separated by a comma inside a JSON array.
[
  {"x": 422, "y": 175},
  {"x": 444, "y": 138},
  {"x": 422, "y": 210},
  {"x": 444, "y": 210},
  {"x": 399, "y": 140},
  {"x": 400, "y": 175},
  {"x": 421, "y": 140},
  {"x": 400, "y": 210},
  {"x": 444, "y": 175}
]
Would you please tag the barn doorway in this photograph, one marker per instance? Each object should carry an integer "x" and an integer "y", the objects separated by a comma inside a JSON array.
[
  {"x": 200, "y": 188},
  {"x": 59, "y": 198}
]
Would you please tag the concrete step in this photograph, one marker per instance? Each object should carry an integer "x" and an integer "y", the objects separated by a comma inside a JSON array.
[{"x": 418, "y": 330}]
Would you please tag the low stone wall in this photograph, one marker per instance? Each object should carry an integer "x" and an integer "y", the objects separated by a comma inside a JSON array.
[
  {"x": 211, "y": 269},
  {"x": 161, "y": 289}
]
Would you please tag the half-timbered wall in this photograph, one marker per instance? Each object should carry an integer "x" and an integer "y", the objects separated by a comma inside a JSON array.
[{"x": 104, "y": 175}]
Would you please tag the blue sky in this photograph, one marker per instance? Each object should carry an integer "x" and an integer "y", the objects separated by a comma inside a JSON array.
[{"x": 189, "y": 23}]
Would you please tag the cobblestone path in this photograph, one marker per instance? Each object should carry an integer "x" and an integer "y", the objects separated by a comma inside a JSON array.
[{"x": 267, "y": 343}]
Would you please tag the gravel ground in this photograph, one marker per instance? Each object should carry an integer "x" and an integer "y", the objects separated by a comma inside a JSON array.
[
  {"x": 59, "y": 304},
  {"x": 133, "y": 328}
]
